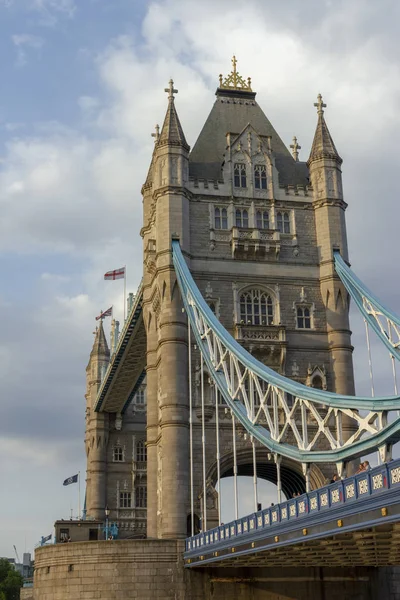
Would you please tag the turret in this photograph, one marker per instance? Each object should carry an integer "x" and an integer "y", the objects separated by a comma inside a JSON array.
[
  {"x": 329, "y": 208},
  {"x": 96, "y": 434},
  {"x": 166, "y": 214}
]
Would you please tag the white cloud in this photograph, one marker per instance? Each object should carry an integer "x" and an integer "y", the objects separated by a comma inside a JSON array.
[
  {"x": 52, "y": 277},
  {"x": 50, "y": 11},
  {"x": 88, "y": 103},
  {"x": 24, "y": 42},
  {"x": 70, "y": 193}
]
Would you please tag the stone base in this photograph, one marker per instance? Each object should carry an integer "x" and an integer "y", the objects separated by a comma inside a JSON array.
[{"x": 153, "y": 569}]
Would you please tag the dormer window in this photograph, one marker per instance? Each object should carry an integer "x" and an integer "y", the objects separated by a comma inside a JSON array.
[
  {"x": 262, "y": 219},
  {"x": 283, "y": 222},
  {"x": 239, "y": 172},
  {"x": 260, "y": 177},
  {"x": 242, "y": 218},
  {"x": 220, "y": 218}
]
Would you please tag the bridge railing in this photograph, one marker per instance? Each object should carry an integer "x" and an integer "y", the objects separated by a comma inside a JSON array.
[{"x": 355, "y": 489}]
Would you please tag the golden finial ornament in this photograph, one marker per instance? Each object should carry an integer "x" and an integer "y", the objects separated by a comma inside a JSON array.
[{"x": 234, "y": 81}]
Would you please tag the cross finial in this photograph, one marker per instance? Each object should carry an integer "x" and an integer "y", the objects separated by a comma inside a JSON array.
[
  {"x": 170, "y": 90},
  {"x": 295, "y": 147},
  {"x": 156, "y": 135},
  {"x": 234, "y": 62},
  {"x": 320, "y": 105}
]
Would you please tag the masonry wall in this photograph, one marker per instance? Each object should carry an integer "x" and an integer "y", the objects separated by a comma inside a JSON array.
[{"x": 153, "y": 569}]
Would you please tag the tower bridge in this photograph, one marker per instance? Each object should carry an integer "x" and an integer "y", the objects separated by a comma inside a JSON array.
[{"x": 236, "y": 358}]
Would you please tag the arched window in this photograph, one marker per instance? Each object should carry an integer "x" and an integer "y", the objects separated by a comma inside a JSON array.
[
  {"x": 256, "y": 308},
  {"x": 239, "y": 172},
  {"x": 303, "y": 317},
  {"x": 242, "y": 218},
  {"x": 141, "y": 451},
  {"x": 262, "y": 219},
  {"x": 283, "y": 222},
  {"x": 317, "y": 383},
  {"x": 118, "y": 454},
  {"x": 220, "y": 218},
  {"x": 260, "y": 177},
  {"x": 141, "y": 497}
]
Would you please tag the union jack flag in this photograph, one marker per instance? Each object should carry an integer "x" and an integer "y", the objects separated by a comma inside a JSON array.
[{"x": 106, "y": 313}]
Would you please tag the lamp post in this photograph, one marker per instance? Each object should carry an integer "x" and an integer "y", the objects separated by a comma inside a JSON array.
[{"x": 107, "y": 513}]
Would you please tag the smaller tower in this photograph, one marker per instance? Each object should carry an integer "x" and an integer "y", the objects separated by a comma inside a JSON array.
[
  {"x": 96, "y": 434},
  {"x": 166, "y": 214},
  {"x": 329, "y": 209}
]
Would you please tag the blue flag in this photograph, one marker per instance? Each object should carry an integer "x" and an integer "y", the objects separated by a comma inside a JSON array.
[
  {"x": 73, "y": 479},
  {"x": 46, "y": 539}
]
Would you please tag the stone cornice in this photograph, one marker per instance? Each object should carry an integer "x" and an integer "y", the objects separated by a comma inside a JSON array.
[
  {"x": 330, "y": 202},
  {"x": 172, "y": 189}
]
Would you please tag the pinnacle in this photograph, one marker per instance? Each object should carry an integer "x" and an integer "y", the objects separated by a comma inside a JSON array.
[
  {"x": 172, "y": 132},
  {"x": 100, "y": 346},
  {"x": 323, "y": 146}
]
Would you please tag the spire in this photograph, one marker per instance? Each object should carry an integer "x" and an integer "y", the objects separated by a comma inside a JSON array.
[
  {"x": 322, "y": 146},
  {"x": 100, "y": 346},
  {"x": 172, "y": 132}
]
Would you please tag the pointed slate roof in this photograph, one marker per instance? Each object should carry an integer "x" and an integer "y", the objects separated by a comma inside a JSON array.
[
  {"x": 172, "y": 132},
  {"x": 322, "y": 146},
  {"x": 100, "y": 346},
  {"x": 233, "y": 110}
]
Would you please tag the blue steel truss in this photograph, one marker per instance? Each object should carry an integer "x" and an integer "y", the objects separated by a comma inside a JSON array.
[
  {"x": 273, "y": 408},
  {"x": 354, "y": 495},
  {"x": 385, "y": 323}
]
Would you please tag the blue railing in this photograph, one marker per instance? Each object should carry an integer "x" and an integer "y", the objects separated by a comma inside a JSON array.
[{"x": 355, "y": 489}]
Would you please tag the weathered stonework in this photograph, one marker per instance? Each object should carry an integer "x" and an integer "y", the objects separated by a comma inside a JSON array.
[
  {"x": 153, "y": 570},
  {"x": 251, "y": 219}
]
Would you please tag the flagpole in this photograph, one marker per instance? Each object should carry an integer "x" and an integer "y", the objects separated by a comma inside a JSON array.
[
  {"x": 124, "y": 293},
  {"x": 79, "y": 495}
]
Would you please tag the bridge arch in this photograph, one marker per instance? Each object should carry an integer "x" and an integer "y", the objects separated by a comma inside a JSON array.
[{"x": 293, "y": 480}]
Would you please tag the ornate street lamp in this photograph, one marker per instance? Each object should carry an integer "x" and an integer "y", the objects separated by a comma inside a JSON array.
[{"x": 107, "y": 513}]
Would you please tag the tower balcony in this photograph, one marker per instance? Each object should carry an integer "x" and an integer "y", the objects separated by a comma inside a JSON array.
[
  {"x": 267, "y": 343},
  {"x": 251, "y": 242}
]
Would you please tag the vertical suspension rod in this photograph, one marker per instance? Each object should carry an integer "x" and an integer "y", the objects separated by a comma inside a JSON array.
[
  {"x": 278, "y": 477},
  {"x": 371, "y": 375},
  {"x": 393, "y": 362},
  {"x": 203, "y": 442},
  {"x": 218, "y": 452},
  {"x": 235, "y": 486},
  {"x": 191, "y": 427},
  {"x": 255, "y": 475}
]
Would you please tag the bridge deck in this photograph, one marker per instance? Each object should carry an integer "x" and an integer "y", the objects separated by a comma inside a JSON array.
[
  {"x": 352, "y": 522},
  {"x": 125, "y": 372}
]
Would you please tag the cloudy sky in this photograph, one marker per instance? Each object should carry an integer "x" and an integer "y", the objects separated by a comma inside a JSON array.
[{"x": 82, "y": 89}]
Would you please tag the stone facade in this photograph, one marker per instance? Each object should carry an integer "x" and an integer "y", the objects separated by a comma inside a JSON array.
[
  {"x": 258, "y": 228},
  {"x": 116, "y": 452},
  {"x": 253, "y": 222},
  {"x": 153, "y": 570}
]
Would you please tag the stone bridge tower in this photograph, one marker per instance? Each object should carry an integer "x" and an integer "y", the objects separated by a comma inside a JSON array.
[{"x": 257, "y": 227}]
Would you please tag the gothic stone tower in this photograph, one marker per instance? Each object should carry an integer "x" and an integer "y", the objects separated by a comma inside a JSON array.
[
  {"x": 115, "y": 449},
  {"x": 257, "y": 227}
]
